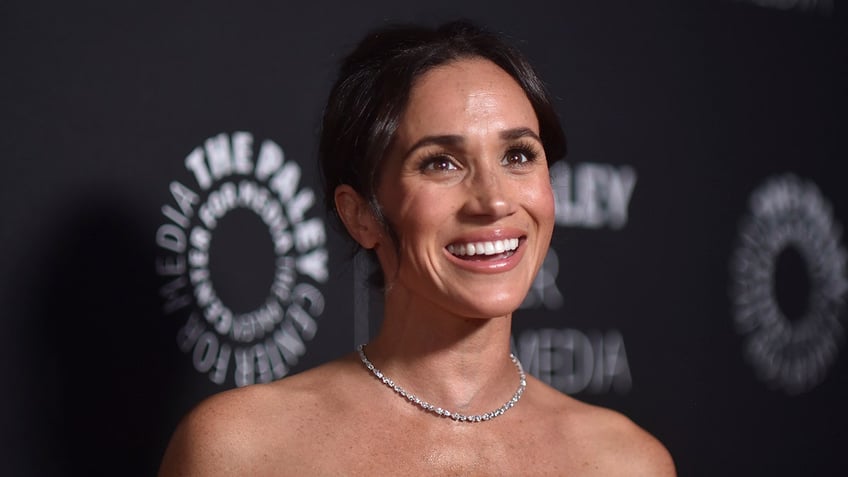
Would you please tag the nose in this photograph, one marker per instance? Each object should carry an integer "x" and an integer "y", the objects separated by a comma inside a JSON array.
[{"x": 489, "y": 195}]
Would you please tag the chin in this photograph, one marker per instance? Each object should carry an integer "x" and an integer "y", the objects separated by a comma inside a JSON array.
[{"x": 493, "y": 307}]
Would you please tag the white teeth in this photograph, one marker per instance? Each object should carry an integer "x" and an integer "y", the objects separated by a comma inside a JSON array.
[{"x": 483, "y": 248}]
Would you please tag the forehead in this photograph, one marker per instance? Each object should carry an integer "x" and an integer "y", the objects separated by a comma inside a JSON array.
[{"x": 464, "y": 96}]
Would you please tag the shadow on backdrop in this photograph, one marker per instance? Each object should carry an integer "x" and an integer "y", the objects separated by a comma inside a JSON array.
[{"x": 106, "y": 353}]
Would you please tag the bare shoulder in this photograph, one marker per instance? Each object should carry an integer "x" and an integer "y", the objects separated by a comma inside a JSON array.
[
  {"x": 248, "y": 431},
  {"x": 626, "y": 446},
  {"x": 216, "y": 437},
  {"x": 609, "y": 442}
]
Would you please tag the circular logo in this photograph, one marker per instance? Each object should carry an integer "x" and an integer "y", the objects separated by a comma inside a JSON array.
[
  {"x": 263, "y": 343},
  {"x": 790, "y": 343}
]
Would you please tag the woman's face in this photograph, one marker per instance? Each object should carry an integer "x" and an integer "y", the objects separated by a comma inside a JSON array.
[{"x": 466, "y": 188}]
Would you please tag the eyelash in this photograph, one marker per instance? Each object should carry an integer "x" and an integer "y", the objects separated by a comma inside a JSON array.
[{"x": 529, "y": 151}]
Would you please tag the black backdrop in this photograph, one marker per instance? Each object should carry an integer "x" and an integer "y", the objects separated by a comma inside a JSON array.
[{"x": 698, "y": 269}]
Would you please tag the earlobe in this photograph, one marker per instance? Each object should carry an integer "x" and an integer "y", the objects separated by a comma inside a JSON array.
[{"x": 357, "y": 217}]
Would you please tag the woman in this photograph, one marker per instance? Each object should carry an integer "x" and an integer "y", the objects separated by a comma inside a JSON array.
[{"x": 435, "y": 149}]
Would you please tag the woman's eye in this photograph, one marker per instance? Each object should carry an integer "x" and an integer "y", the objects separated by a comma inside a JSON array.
[
  {"x": 440, "y": 163},
  {"x": 516, "y": 157}
]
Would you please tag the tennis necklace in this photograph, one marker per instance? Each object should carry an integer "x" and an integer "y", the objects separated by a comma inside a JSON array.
[{"x": 522, "y": 384}]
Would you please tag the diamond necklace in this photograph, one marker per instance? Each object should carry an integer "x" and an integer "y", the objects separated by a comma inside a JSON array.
[{"x": 522, "y": 383}]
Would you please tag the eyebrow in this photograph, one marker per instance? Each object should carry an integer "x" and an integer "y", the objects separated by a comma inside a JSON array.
[
  {"x": 442, "y": 140},
  {"x": 518, "y": 133},
  {"x": 448, "y": 140}
]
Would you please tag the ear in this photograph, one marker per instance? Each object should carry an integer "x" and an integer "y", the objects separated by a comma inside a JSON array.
[{"x": 357, "y": 216}]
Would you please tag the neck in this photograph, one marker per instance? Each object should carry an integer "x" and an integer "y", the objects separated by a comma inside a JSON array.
[{"x": 454, "y": 361}]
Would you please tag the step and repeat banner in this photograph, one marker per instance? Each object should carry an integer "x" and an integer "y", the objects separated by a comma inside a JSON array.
[{"x": 165, "y": 237}]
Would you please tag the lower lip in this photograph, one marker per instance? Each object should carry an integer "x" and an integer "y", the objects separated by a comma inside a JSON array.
[{"x": 491, "y": 265}]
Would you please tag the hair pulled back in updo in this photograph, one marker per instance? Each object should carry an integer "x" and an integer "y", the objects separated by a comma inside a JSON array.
[{"x": 371, "y": 92}]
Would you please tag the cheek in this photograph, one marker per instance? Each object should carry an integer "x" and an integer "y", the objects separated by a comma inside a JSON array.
[
  {"x": 540, "y": 202},
  {"x": 419, "y": 213},
  {"x": 429, "y": 212}
]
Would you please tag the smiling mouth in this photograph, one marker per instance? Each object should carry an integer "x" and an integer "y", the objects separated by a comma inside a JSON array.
[{"x": 484, "y": 250}]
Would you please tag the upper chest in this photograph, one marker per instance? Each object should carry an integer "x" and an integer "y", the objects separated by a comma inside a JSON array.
[{"x": 444, "y": 449}]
